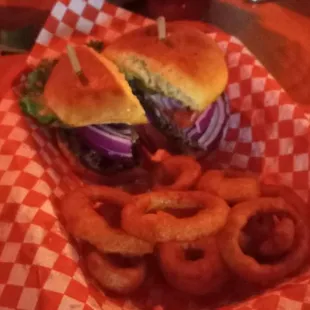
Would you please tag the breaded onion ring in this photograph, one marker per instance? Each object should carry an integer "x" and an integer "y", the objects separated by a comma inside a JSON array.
[
  {"x": 231, "y": 189},
  {"x": 117, "y": 274},
  {"x": 248, "y": 267},
  {"x": 161, "y": 226},
  {"x": 85, "y": 223},
  {"x": 177, "y": 173},
  {"x": 159, "y": 156},
  {"x": 196, "y": 267}
]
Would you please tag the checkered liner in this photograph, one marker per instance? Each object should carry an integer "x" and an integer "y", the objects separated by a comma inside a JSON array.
[{"x": 39, "y": 266}]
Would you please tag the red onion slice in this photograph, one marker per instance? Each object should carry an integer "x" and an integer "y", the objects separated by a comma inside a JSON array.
[
  {"x": 164, "y": 103},
  {"x": 108, "y": 141},
  {"x": 210, "y": 124},
  {"x": 205, "y": 118},
  {"x": 207, "y": 127}
]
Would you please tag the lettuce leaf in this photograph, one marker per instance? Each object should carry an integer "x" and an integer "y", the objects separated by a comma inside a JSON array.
[
  {"x": 31, "y": 101},
  {"x": 37, "y": 78},
  {"x": 36, "y": 110}
]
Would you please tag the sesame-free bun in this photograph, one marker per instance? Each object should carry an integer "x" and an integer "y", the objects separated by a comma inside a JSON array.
[
  {"x": 187, "y": 65},
  {"x": 107, "y": 98}
]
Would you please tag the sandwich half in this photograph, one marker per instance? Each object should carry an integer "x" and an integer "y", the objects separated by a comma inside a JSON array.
[
  {"x": 179, "y": 81},
  {"x": 94, "y": 121}
]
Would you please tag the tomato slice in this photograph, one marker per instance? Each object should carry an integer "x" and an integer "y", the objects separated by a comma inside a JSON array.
[{"x": 182, "y": 118}]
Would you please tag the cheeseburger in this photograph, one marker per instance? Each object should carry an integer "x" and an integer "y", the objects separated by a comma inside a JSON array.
[
  {"x": 179, "y": 81},
  {"x": 95, "y": 121}
]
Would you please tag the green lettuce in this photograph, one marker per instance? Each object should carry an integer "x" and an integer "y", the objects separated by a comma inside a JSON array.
[
  {"x": 31, "y": 98},
  {"x": 36, "y": 110}
]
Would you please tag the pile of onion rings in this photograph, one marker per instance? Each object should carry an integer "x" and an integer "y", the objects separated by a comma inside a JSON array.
[{"x": 204, "y": 229}]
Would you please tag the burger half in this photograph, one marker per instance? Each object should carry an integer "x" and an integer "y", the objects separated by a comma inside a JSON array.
[
  {"x": 179, "y": 81},
  {"x": 94, "y": 122}
]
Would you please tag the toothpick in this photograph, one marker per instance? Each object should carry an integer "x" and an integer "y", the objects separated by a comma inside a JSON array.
[
  {"x": 161, "y": 26},
  {"x": 8, "y": 49},
  {"x": 76, "y": 66}
]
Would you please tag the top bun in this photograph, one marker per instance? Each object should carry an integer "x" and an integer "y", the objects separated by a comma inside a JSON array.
[
  {"x": 106, "y": 99},
  {"x": 187, "y": 65}
]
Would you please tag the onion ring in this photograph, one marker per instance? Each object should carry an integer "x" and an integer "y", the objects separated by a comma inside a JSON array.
[
  {"x": 163, "y": 227},
  {"x": 231, "y": 189},
  {"x": 296, "y": 202},
  {"x": 120, "y": 277},
  {"x": 159, "y": 156},
  {"x": 196, "y": 267},
  {"x": 246, "y": 266},
  {"x": 85, "y": 223},
  {"x": 176, "y": 173}
]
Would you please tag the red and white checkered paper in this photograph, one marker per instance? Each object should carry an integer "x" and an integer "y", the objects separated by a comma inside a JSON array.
[{"x": 39, "y": 265}]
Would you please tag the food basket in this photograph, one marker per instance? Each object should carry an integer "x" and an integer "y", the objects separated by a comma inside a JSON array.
[{"x": 40, "y": 267}]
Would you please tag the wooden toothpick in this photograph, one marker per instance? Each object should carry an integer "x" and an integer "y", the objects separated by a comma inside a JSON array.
[
  {"x": 76, "y": 66},
  {"x": 161, "y": 26}
]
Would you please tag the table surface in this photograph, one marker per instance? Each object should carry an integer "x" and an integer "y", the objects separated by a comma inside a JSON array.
[{"x": 278, "y": 33}]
